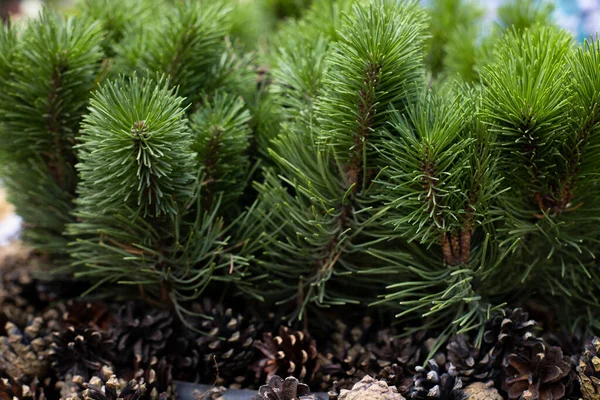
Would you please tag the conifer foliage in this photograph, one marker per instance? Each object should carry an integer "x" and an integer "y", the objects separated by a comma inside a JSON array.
[{"x": 369, "y": 160}]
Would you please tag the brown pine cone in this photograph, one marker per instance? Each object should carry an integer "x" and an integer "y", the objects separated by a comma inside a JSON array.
[
  {"x": 506, "y": 334},
  {"x": 471, "y": 364},
  {"x": 105, "y": 385},
  {"x": 291, "y": 353},
  {"x": 280, "y": 389},
  {"x": 394, "y": 375},
  {"x": 221, "y": 355},
  {"x": 345, "y": 360},
  {"x": 81, "y": 351},
  {"x": 24, "y": 355},
  {"x": 370, "y": 389},
  {"x": 11, "y": 390},
  {"x": 588, "y": 371},
  {"x": 538, "y": 372},
  {"x": 389, "y": 349},
  {"x": 141, "y": 333}
]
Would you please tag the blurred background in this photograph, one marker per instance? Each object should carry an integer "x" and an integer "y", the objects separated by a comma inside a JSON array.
[{"x": 581, "y": 17}]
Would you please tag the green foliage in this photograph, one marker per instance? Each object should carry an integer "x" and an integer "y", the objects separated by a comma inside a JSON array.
[
  {"x": 520, "y": 15},
  {"x": 449, "y": 18},
  {"x": 139, "y": 209},
  {"x": 47, "y": 71},
  {"x": 135, "y": 149},
  {"x": 185, "y": 44},
  {"x": 367, "y": 76},
  {"x": 221, "y": 137},
  {"x": 350, "y": 168}
]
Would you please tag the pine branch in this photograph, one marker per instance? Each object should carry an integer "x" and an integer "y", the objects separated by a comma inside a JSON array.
[
  {"x": 135, "y": 149},
  {"x": 221, "y": 139},
  {"x": 47, "y": 74},
  {"x": 185, "y": 45},
  {"x": 368, "y": 74}
]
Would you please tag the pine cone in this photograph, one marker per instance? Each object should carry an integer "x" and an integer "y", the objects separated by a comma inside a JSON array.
[
  {"x": 24, "y": 355},
  {"x": 370, "y": 389},
  {"x": 106, "y": 386},
  {"x": 538, "y": 372},
  {"x": 507, "y": 334},
  {"x": 433, "y": 383},
  {"x": 141, "y": 334},
  {"x": 394, "y": 375},
  {"x": 588, "y": 371},
  {"x": 482, "y": 391},
  {"x": 81, "y": 351},
  {"x": 93, "y": 313},
  {"x": 11, "y": 390},
  {"x": 407, "y": 351},
  {"x": 292, "y": 353},
  {"x": 288, "y": 389},
  {"x": 344, "y": 370},
  {"x": 227, "y": 349},
  {"x": 471, "y": 364}
]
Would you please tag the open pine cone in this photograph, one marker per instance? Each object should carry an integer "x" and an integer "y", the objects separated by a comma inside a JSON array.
[
  {"x": 24, "y": 355},
  {"x": 280, "y": 389},
  {"x": 471, "y": 363},
  {"x": 538, "y": 372},
  {"x": 11, "y": 390},
  {"x": 141, "y": 333},
  {"x": 291, "y": 353},
  {"x": 81, "y": 351},
  {"x": 229, "y": 347},
  {"x": 345, "y": 360},
  {"x": 149, "y": 385},
  {"x": 507, "y": 334},
  {"x": 433, "y": 382},
  {"x": 588, "y": 371}
]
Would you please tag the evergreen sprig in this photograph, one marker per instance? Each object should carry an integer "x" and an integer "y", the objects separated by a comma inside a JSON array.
[
  {"x": 221, "y": 137},
  {"x": 48, "y": 71},
  {"x": 135, "y": 149},
  {"x": 368, "y": 75}
]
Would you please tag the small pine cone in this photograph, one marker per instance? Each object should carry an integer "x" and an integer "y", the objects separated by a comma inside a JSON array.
[
  {"x": 389, "y": 349},
  {"x": 507, "y": 334},
  {"x": 141, "y": 333},
  {"x": 370, "y": 389},
  {"x": 292, "y": 353},
  {"x": 347, "y": 368},
  {"x": 394, "y": 375},
  {"x": 471, "y": 364},
  {"x": 24, "y": 355},
  {"x": 433, "y": 383},
  {"x": 106, "y": 386},
  {"x": 538, "y": 372},
  {"x": 588, "y": 371},
  {"x": 81, "y": 351},
  {"x": 288, "y": 389},
  {"x": 11, "y": 390},
  {"x": 89, "y": 313},
  {"x": 228, "y": 348},
  {"x": 482, "y": 391}
]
